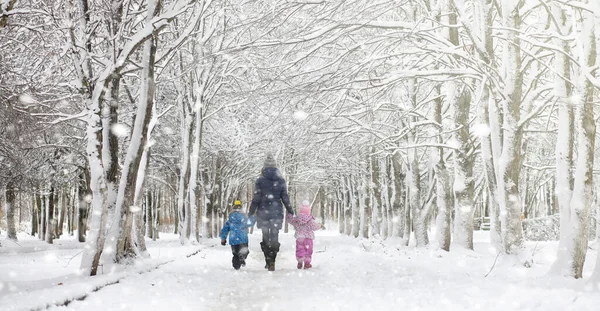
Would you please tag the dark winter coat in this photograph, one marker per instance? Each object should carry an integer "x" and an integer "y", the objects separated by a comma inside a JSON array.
[
  {"x": 270, "y": 191},
  {"x": 237, "y": 227}
]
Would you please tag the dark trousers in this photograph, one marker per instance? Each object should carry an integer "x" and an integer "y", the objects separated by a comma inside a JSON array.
[
  {"x": 270, "y": 235},
  {"x": 240, "y": 253}
]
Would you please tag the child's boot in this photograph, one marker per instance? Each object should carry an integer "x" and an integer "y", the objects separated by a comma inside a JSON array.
[
  {"x": 307, "y": 265},
  {"x": 236, "y": 262},
  {"x": 299, "y": 265}
]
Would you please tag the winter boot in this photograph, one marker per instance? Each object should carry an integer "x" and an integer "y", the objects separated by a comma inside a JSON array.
[
  {"x": 270, "y": 250},
  {"x": 299, "y": 265},
  {"x": 273, "y": 250},
  {"x": 265, "y": 250},
  {"x": 236, "y": 262},
  {"x": 307, "y": 266}
]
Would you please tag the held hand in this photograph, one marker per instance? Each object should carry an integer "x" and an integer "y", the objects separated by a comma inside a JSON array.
[{"x": 223, "y": 242}]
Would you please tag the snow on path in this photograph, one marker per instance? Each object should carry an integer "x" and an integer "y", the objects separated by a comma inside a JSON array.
[{"x": 348, "y": 274}]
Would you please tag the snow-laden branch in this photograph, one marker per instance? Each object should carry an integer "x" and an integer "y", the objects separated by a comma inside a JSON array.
[
  {"x": 477, "y": 43},
  {"x": 578, "y": 5},
  {"x": 237, "y": 103},
  {"x": 411, "y": 74},
  {"x": 63, "y": 117}
]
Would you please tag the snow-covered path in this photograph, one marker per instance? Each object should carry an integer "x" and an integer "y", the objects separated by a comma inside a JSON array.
[{"x": 348, "y": 274}]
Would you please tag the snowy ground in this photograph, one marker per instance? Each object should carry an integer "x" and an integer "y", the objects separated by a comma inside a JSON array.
[{"x": 348, "y": 274}]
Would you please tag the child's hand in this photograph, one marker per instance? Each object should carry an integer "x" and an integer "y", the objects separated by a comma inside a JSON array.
[
  {"x": 223, "y": 242},
  {"x": 322, "y": 226}
]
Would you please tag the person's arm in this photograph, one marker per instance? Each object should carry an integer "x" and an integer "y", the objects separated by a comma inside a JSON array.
[
  {"x": 292, "y": 220},
  {"x": 286, "y": 199},
  {"x": 314, "y": 225},
  {"x": 255, "y": 198},
  {"x": 250, "y": 221},
  {"x": 224, "y": 232}
]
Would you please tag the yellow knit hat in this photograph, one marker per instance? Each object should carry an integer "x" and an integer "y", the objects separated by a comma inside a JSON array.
[{"x": 237, "y": 202}]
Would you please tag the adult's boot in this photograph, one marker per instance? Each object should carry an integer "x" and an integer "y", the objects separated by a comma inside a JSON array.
[
  {"x": 265, "y": 249},
  {"x": 273, "y": 250}
]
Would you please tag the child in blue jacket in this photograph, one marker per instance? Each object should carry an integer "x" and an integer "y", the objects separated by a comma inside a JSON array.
[{"x": 237, "y": 227}]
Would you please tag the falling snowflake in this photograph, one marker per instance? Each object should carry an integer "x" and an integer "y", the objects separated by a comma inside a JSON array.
[
  {"x": 27, "y": 99},
  {"x": 168, "y": 131},
  {"x": 481, "y": 130},
  {"x": 119, "y": 130},
  {"x": 300, "y": 115}
]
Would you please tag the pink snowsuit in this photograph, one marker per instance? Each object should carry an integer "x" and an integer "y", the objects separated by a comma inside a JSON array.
[{"x": 305, "y": 226}]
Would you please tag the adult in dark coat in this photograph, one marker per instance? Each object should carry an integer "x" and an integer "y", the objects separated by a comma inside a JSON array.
[{"x": 270, "y": 191}]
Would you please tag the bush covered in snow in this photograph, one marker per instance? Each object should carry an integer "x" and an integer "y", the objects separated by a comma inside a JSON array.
[{"x": 548, "y": 228}]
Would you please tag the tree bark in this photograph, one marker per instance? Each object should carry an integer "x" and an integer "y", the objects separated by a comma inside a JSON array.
[
  {"x": 510, "y": 164},
  {"x": 443, "y": 192},
  {"x": 582, "y": 199},
  {"x": 34, "y": 214},
  {"x": 564, "y": 139},
  {"x": 50, "y": 222},
  {"x": 463, "y": 174},
  {"x": 10, "y": 211},
  {"x": 377, "y": 206}
]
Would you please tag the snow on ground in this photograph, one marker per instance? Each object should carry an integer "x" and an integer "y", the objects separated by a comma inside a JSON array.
[{"x": 348, "y": 274}]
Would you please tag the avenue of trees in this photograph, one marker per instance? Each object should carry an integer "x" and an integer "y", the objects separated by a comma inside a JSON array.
[{"x": 121, "y": 119}]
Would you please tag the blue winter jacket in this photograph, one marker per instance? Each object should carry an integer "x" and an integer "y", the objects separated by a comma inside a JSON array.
[
  {"x": 237, "y": 227},
  {"x": 270, "y": 191}
]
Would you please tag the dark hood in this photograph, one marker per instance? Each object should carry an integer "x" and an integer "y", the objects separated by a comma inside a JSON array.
[{"x": 271, "y": 173}]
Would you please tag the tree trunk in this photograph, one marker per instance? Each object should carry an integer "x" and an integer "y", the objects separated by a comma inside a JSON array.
[
  {"x": 483, "y": 114},
  {"x": 463, "y": 174},
  {"x": 398, "y": 200},
  {"x": 564, "y": 139},
  {"x": 193, "y": 191},
  {"x": 355, "y": 201},
  {"x": 583, "y": 186},
  {"x": 10, "y": 211},
  {"x": 34, "y": 215},
  {"x": 347, "y": 206},
  {"x": 366, "y": 207},
  {"x": 510, "y": 164},
  {"x": 83, "y": 206},
  {"x": 63, "y": 211},
  {"x": 322, "y": 203},
  {"x": 443, "y": 192},
  {"x": 377, "y": 206},
  {"x": 122, "y": 227},
  {"x": 50, "y": 222}
]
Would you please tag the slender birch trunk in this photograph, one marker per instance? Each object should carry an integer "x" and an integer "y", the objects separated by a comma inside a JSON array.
[
  {"x": 377, "y": 205},
  {"x": 582, "y": 199},
  {"x": 463, "y": 174},
  {"x": 564, "y": 139},
  {"x": 95, "y": 243},
  {"x": 10, "y": 211},
  {"x": 510, "y": 164},
  {"x": 443, "y": 192},
  {"x": 398, "y": 204},
  {"x": 354, "y": 199}
]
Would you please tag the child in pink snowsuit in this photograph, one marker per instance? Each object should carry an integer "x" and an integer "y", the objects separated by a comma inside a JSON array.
[{"x": 305, "y": 226}]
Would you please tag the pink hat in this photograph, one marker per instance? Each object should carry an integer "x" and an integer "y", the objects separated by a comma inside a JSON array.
[{"x": 305, "y": 208}]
